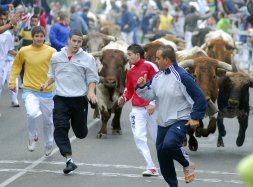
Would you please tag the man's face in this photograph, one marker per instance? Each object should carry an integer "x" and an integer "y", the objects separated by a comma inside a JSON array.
[
  {"x": 163, "y": 63},
  {"x": 3, "y": 20},
  {"x": 75, "y": 42},
  {"x": 132, "y": 57},
  {"x": 38, "y": 39},
  {"x": 34, "y": 22}
]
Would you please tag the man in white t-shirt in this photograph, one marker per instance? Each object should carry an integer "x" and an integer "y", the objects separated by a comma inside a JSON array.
[{"x": 6, "y": 46}]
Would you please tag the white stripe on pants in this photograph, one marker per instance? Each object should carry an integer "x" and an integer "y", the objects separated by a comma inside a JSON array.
[
  {"x": 141, "y": 121},
  {"x": 35, "y": 106}
]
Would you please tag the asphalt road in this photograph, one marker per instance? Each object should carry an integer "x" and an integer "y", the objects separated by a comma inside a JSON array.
[{"x": 111, "y": 162}]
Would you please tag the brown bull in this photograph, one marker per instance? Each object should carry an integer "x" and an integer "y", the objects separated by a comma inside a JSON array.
[
  {"x": 151, "y": 48},
  {"x": 219, "y": 45},
  {"x": 95, "y": 41},
  {"x": 109, "y": 28},
  {"x": 205, "y": 70},
  {"x": 111, "y": 86}
]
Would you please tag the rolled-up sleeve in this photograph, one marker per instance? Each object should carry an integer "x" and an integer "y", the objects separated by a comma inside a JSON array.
[{"x": 91, "y": 72}]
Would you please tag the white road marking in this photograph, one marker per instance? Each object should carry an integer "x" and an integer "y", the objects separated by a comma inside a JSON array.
[
  {"x": 108, "y": 166},
  {"x": 40, "y": 160},
  {"x": 30, "y": 169},
  {"x": 84, "y": 173}
]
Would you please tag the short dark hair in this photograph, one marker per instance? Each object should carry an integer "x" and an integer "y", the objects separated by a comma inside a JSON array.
[
  {"x": 75, "y": 32},
  {"x": 62, "y": 16},
  {"x": 2, "y": 13},
  {"x": 34, "y": 17},
  {"x": 38, "y": 29},
  {"x": 192, "y": 9},
  {"x": 136, "y": 48},
  {"x": 222, "y": 14},
  {"x": 168, "y": 52}
]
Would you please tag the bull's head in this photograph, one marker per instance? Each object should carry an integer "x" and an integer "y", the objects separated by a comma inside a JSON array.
[
  {"x": 204, "y": 70},
  {"x": 219, "y": 49},
  {"x": 236, "y": 88},
  {"x": 150, "y": 50},
  {"x": 113, "y": 70},
  {"x": 95, "y": 41}
]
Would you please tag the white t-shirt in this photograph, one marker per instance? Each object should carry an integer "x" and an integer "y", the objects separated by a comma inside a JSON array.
[{"x": 6, "y": 44}]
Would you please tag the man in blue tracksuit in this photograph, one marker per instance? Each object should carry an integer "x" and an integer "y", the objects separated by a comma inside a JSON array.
[{"x": 179, "y": 103}]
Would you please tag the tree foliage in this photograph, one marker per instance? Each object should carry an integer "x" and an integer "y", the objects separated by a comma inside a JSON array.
[{"x": 62, "y": 2}]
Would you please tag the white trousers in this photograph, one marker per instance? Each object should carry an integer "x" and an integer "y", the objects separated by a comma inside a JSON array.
[
  {"x": 35, "y": 106},
  {"x": 188, "y": 39},
  {"x": 5, "y": 70},
  {"x": 128, "y": 37},
  {"x": 141, "y": 121}
]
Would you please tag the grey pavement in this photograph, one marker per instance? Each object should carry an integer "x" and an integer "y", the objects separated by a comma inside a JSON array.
[{"x": 111, "y": 162}]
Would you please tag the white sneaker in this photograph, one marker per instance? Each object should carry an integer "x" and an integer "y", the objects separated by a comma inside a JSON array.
[
  {"x": 15, "y": 104},
  {"x": 48, "y": 150},
  {"x": 150, "y": 172},
  {"x": 21, "y": 86},
  {"x": 32, "y": 144}
]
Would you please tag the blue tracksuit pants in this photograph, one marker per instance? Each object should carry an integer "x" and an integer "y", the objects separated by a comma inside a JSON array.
[{"x": 169, "y": 147}]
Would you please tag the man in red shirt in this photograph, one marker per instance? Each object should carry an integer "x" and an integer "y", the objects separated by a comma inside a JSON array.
[{"x": 142, "y": 116}]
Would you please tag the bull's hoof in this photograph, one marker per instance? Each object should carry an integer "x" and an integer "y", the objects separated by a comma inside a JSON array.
[
  {"x": 204, "y": 132},
  {"x": 101, "y": 136},
  {"x": 193, "y": 143},
  {"x": 220, "y": 142},
  {"x": 116, "y": 132},
  {"x": 96, "y": 116},
  {"x": 212, "y": 125},
  {"x": 240, "y": 139},
  {"x": 198, "y": 132},
  {"x": 223, "y": 133}
]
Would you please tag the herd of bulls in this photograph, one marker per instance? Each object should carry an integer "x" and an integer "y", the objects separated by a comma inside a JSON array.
[{"x": 211, "y": 64}]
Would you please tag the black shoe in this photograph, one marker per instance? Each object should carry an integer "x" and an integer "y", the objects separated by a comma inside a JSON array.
[{"x": 70, "y": 166}]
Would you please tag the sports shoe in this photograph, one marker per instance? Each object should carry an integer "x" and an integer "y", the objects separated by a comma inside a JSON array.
[
  {"x": 150, "y": 172},
  {"x": 14, "y": 104},
  {"x": 189, "y": 174},
  {"x": 21, "y": 86},
  {"x": 48, "y": 150},
  {"x": 32, "y": 144},
  {"x": 70, "y": 166}
]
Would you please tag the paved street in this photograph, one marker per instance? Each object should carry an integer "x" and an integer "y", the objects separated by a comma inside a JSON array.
[{"x": 111, "y": 162}]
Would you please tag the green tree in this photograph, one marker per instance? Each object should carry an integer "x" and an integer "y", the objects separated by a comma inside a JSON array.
[{"x": 62, "y": 2}]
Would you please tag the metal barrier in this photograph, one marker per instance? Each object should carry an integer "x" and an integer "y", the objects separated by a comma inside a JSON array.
[
  {"x": 244, "y": 58},
  {"x": 244, "y": 53}
]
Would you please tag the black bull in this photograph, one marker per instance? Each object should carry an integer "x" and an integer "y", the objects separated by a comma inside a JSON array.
[{"x": 233, "y": 101}]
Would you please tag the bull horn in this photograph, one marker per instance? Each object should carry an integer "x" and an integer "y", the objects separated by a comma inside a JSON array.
[
  {"x": 110, "y": 38},
  {"x": 97, "y": 54},
  {"x": 211, "y": 108},
  {"x": 203, "y": 46},
  {"x": 234, "y": 68},
  {"x": 186, "y": 63},
  {"x": 125, "y": 55},
  {"x": 224, "y": 65},
  {"x": 85, "y": 37},
  {"x": 149, "y": 35},
  {"x": 229, "y": 73}
]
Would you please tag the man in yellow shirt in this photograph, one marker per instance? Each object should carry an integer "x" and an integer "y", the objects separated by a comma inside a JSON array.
[
  {"x": 36, "y": 58},
  {"x": 165, "y": 21}
]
